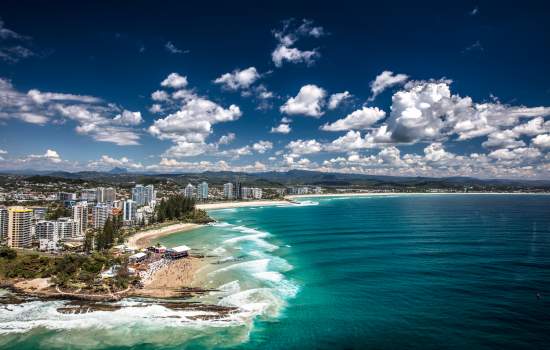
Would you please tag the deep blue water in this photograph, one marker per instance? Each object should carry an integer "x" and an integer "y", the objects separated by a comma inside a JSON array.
[{"x": 397, "y": 272}]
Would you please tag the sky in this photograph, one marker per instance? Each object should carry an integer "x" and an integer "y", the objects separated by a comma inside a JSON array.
[{"x": 401, "y": 88}]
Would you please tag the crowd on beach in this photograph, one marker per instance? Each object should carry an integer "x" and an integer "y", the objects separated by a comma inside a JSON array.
[{"x": 147, "y": 275}]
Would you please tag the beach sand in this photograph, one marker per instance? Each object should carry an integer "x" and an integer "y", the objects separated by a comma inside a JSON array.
[
  {"x": 171, "y": 278},
  {"x": 143, "y": 239}
]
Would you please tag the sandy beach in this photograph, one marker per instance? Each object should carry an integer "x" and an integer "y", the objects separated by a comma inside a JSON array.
[
  {"x": 171, "y": 277},
  {"x": 227, "y": 205},
  {"x": 143, "y": 239}
]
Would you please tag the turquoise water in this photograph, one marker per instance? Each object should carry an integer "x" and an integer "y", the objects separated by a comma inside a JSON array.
[{"x": 415, "y": 272}]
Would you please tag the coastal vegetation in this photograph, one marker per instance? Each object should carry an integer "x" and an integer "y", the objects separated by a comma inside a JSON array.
[
  {"x": 70, "y": 271},
  {"x": 180, "y": 208}
]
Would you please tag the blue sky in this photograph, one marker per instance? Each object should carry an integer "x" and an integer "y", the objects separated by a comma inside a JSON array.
[{"x": 423, "y": 88}]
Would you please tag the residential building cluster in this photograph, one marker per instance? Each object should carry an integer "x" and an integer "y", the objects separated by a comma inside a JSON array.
[{"x": 27, "y": 227}]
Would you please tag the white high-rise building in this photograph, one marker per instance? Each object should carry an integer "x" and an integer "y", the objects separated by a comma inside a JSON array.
[
  {"x": 144, "y": 195},
  {"x": 228, "y": 190},
  {"x": 46, "y": 230},
  {"x": 19, "y": 227},
  {"x": 202, "y": 191},
  {"x": 100, "y": 213},
  {"x": 256, "y": 193},
  {"x": 129, "y": 211},
  {"x": 66, "y": 228},
  {"x": 105, "y": 194},
  {"x": 3, "y": 224},
  {"x": 80, "y": 216},
  {"x": 88, "y": 195},
  {"x": 189, "y": 191}
]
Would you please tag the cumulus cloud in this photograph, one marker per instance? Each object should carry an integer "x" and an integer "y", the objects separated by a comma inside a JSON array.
[
  {"x": 385, "y": 80},
  {"x": 226, "y": 139},
  {"x": 106, "y": 162},
  {"x": 189, "y": 127},
  {"x": 175, "y": 81},
  {"x": 301, "y": 147},
  {"x": 542, "y": 141},
  {"x": 102, "y": 121},
  {"x": 309, "y": 102},
  {"x": 287, "y": 38},
  {"x": 363, "y": 118},
  {"x": 336, "y": 99},
  {"x": 238, "y": 79},
  {"x": 281, "y": 129},
  {"x": 428, "y": 111}
]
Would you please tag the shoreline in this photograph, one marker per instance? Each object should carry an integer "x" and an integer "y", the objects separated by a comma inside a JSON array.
[
  {"x": 241, "y": 204},
  {"x": 382, "y": 194},
  {"x": 143, "y": 239}
]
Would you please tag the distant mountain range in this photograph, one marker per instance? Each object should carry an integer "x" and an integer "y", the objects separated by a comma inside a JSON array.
[{"x": 290, "y": 178}]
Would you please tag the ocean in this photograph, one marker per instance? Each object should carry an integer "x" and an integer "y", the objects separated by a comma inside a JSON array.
[{"x": 380, "y": 272}]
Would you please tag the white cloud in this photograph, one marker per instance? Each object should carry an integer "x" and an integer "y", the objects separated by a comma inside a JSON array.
[
  {"x": 93, "y": 116},
  {"x": 13, "y": 50},
  {"x": 385, "y": 80},
  {"x": 160, "y": 95},
  {"x": 281, "y": 129},
  {"x": 191, "y": 125},
  {"x": 542, "y": 141},
  {"x": 106, "y": 162},
  {"x": 238, "y": 79},
  {"x": 503, "y": 139},
  {"x": 128, "y": 118},
  {"x": 262, "y": 146},
  {"x": 363, "y": 118},
  {"x": 50, "y": 155},
  {"x": 287, "y": 38},
  {"x": 175, "y": 81},
  {"x": 301, "y": 147},
  {"x": 309, "y": 101},
  {"x": 226, "y": 139},
  {"x": 515, "y": 154},
  {"x": 336, "y": 99},
  {"x": 291, "y": 54}
]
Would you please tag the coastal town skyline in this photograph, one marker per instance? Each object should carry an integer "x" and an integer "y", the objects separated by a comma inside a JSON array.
[{"x": 190, "y": 91}]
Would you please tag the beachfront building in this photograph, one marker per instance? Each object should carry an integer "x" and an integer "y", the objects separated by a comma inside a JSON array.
[
  {"x": 88, "y": 195},
  {"x": 138, "y": 257},
  {"x": 129, "y": 211},
  {"x": 177, "y": 252},
  {"x": 66, "y": 228},
  {"x": 251, "y": 193},
  {"x": 3, "y": 224},
  {"x": 47, "y": 235},
  {"x": 46, "y": 229},
  {"x": 144, "y": 195},
  {"x": 237, "y": 189},
  {"x": 189, "y": 191},
  {"x": 19, "y": 227},
  {"x": 100, "y": 213},
  {"x": 105, "y": 194},
  {"x": 144, "y": 214},
  {"x": 228, "y": 191},
  {"x": 202, "y": 191},
  {"x": 80, "y": 216}
]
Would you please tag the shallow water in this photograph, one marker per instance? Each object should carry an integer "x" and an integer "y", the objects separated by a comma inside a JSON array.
[{"x": 421, "y": 272}]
